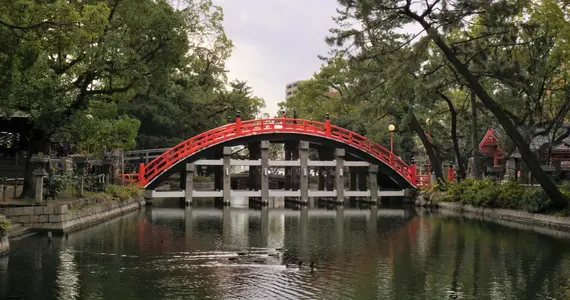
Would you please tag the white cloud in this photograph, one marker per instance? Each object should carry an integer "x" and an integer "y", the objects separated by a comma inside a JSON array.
[{"x": 276, "y": 42}]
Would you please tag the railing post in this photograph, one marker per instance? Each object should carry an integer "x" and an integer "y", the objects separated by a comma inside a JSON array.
[
  {"x": 238, "y": 123},
  {"x": 328, "y": 125},
  {"x": 141, "y": 174}
]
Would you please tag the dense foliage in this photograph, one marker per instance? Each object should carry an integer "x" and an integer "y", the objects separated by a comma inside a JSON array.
[
  {"x": 464, "y": 65},
  {"x": 510, "y": 195},
  {"x": 105, "y": 74}
]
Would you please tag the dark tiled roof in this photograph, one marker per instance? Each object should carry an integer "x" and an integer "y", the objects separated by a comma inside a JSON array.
[{"x": 540, "y": 140}]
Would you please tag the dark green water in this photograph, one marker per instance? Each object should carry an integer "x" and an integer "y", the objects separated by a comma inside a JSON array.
[{"x": 173, "y": 253}]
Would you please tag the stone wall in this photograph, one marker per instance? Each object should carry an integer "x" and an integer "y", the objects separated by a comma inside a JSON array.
[
  {"x": 561, "y": 223},
  {"x": 4, "y": 242},
  {"x": 60, "y": 218}
]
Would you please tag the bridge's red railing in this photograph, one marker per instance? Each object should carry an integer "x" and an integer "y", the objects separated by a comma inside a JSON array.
[
  {"x": 286, "y": 125},
  {"x": 422, "y": 180}
]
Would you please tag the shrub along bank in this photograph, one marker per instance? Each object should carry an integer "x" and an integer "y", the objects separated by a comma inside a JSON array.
[{"x": 510, "y": 195}]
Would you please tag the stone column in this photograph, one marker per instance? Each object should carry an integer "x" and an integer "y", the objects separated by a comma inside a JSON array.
[
  {"x": 373, "y": 178},
  {"x": 226, "y": 175},
  {"x": 304, "y": 171},
  {"x": 339, "y": 174},
  {"x": 264, "y": 172},
  {"x": 188, "y": 183},
  {"x": 39, "y": 161},
  {"x": 80, "y": 161}
]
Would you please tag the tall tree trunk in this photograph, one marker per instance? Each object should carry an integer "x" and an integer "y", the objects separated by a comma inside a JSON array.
[
  {"x": 474, "y": 138},
  {"x": 38, "y": 143},
  {"x": 461, "y": 170},
  {"x": 430, "y": 149},
  {"x": 532, "y": 163}
]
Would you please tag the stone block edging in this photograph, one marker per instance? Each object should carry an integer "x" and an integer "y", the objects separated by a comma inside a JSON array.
[
  {"x": 523, "y": 217},
  {"x": 59, "y": 219}
]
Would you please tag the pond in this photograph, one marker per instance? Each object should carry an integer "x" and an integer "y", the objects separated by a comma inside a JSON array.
[{"x": 166, "y": 252}]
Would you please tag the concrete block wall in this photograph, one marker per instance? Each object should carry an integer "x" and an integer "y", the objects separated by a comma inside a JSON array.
[
  {"x": 60, "y": 218},
  {"x": 4, "y": 242}
]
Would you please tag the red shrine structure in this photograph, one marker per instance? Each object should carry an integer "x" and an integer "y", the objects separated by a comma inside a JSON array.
[{"x": 559, "y": 157}]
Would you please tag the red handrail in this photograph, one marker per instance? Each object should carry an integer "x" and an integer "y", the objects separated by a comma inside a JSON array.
[{"x": 163, "y": 162}]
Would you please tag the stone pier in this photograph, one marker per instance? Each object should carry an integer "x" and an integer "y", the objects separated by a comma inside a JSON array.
[
  {"x": 264, "y": 172},
  {"x": 227, "y": 176},
  {"x": 362, "y": 182},
  {"x": 188, "y": 183}
]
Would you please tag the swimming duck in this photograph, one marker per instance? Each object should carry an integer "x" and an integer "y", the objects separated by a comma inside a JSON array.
[
  {"x": 274, "y": 254},
  {"x": 259, "y": 260},
  {"x": 294, "y": 266},
  {"x": 310, "y": 267}
]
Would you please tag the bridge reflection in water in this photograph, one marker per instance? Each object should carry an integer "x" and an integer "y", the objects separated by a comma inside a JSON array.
[
  {"x": 376, "y": 253},
  {"x": 270, "y": 223}
]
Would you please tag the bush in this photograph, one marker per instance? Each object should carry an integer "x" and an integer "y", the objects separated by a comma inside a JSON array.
[
  {"x": 4, "y": 226},
  {"x": 456, "y": 191},
  {"x": 55, "y": 184},
  {"x": 510, "y": 195},
  {"x": 535, "y": 200},
  {"x": 483, "y": 193},
  {"x": 124, "y": 192},
  {"x": 202, "y": 179}
]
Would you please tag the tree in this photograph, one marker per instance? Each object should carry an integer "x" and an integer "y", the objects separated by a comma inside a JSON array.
[
  {"x": 63, "y": 57},
  {"x": 504, "y": 21}
]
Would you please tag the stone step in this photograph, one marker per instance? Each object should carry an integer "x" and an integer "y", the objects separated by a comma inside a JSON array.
[
  {"x": 23, "y": 236},
  {"x": 17, "y": 230}
]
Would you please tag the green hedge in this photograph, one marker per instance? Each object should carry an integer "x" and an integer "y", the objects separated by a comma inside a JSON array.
[
  {"x": 124, "y": 192},
  {"x": 510, "y": 195}
]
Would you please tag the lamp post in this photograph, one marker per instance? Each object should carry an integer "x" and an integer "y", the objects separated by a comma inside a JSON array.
[
  {"x": 428, "y": 123},
  {"x": 391, "y": 128}
]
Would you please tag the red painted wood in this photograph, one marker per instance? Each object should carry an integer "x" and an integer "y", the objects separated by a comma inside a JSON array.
[{"x": 285, "y": 125}]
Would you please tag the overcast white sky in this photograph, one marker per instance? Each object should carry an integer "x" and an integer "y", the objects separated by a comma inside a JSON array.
[{"x": 276, "y": 42}]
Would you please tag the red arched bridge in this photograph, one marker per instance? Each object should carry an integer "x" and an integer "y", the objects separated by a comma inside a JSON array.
[{"x": 241, "y": 132}]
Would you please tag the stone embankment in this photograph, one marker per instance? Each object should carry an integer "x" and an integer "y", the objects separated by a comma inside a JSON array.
[
  {"x": 431, "y": 200},
  {"x": 4, "y": 242},
  {"x": 78, "y": 214}
]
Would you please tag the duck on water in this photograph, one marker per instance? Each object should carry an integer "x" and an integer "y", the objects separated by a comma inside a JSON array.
[{"x": 300, "y": 266}]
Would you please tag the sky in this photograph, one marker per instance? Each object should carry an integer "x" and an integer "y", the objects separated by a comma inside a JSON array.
[{"x": 276, "y": 42}]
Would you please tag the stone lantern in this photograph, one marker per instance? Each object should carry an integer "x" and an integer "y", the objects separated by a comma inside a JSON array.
[
  {"x": 80, "y": 162},
  {"x": 39, "y": 162},
  {"x": 107, "y": 168}
]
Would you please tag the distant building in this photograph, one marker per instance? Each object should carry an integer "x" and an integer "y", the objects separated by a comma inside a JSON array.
[{"x": 290, "y": 88}]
